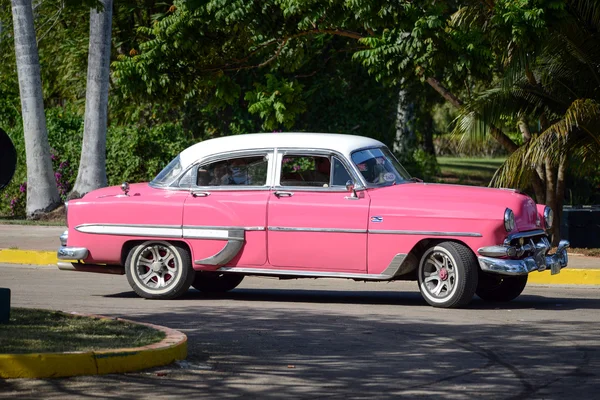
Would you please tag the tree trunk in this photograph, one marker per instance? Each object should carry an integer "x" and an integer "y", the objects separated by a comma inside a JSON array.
[
  {"x": 404, "y": 133},
  {"x": 536, "y": 180},
  {"x": 92, "y": 165},
  {"x": 42, "y": 194}
]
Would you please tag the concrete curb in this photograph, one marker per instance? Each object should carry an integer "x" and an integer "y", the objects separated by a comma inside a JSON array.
[
  {"x": 54, "y": 365},
  {"x": 33, "y": 257},
  {"x": 568, "y": 276}
]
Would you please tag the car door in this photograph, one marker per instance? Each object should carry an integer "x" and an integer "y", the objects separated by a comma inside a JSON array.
[
  {"x": 224, "y": 217},
  {"x": 314, "y": 222}
]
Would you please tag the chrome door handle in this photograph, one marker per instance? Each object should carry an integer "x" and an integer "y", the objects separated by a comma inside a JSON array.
[
  {"x": 283, "y": 194},
  {"x": 200, "y": 194}
]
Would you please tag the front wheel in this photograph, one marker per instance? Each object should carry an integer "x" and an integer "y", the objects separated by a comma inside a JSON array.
[
  {"x": 214, "y": 282},
  {"x": 447, "y": 275},
  {"x": 159, "y": 270},
  {"x": 498, "y": 288}
]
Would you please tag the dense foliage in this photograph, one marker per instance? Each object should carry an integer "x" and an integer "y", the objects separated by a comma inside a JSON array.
[{"x": 190, "y": 70}]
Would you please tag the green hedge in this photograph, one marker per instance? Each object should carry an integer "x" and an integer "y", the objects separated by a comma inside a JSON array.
[{"x": 133, "y": 155}]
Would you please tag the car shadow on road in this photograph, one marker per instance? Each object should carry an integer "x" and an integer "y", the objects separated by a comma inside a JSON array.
[
  {"x": 401, "y": 298},
  {"x": 244, "y": 349}
]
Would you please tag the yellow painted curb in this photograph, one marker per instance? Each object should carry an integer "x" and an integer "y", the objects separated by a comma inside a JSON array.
[
  {"x": 53, "y": 365},
  {"x": 35, "y": 257},
  {"x": 567, "y": 277}
]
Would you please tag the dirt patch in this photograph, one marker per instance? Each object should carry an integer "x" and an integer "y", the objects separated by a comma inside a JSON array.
[{"x": 56, "y": 215}]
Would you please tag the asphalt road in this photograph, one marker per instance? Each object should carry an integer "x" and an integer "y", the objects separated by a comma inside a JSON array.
[{"x": 333, "y": 339}]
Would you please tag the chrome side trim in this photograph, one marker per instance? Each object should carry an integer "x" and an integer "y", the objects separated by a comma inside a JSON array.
[
  {"x": 214, "y": 234},
  {"x": 226, "y": 228},
  {"x": 171, "y": 231},
  {"x": 72, "y": 253},
  {"x": 308, "y": 274},
  {"x": 394, "y": 266},
  {"x": 234, "y": 244},
  {"x": 329, "y": 230},
  {"x": 423, "y": 233}
]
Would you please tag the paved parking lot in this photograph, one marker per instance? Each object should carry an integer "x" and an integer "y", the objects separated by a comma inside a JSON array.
[{"x": 333, "y": 338}]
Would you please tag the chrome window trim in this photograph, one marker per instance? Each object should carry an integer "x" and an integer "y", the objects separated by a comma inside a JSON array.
[
  {"x": 368, "y": 185},
  {"x": 227, "y": 156},
  {"x": 350, "y": 167},
  {"x": 219, "y": 157},
  {"x": 423, "y": 233},
  {"x": 328, "y": 230}
]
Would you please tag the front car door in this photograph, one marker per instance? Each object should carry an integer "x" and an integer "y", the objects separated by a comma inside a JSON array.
[
  {"x": 224, "y": 217},
  {"x": 314, "y": 223}
]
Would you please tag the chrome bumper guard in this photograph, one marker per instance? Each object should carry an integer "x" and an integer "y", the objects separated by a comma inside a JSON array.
[
  {"x": 70, "y": 253},
  {"x": 539, "y": 261}
]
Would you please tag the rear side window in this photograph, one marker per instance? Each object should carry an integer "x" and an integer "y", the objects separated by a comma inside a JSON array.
[{"x": 239, "y": 171}]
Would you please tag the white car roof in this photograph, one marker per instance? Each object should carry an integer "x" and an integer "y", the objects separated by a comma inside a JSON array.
[{"x": 344, "y": 144}]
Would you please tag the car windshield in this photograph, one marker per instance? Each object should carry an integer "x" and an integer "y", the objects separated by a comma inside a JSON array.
[
  {"x": 168, "y": 174},
  {"x": 379, "y": 167}
]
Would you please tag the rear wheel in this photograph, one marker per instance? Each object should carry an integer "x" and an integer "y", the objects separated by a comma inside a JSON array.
[
  {"x": 215, "y": 282},
  {"x": 498, "y": 288},
  {"x": 159, "y": 270},
  {"x": 447, "y": 275}
]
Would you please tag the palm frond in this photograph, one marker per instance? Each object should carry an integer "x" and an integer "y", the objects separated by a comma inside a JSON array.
[{"x": 515, "y": 172}]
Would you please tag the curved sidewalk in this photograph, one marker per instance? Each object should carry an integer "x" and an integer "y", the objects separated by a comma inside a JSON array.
[{"x": 53, "y": 365}]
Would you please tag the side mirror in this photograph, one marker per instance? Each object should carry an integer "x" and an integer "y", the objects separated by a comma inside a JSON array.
[{"x": 350, "y": 188}]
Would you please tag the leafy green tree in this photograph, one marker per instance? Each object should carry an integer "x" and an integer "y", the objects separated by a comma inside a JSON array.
[{"x": 551, "y": 94}]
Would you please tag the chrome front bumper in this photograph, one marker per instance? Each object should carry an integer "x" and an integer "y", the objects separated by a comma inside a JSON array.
[
  {"x": 539, "y": 261},
  {"x": 70, "y": 253}
]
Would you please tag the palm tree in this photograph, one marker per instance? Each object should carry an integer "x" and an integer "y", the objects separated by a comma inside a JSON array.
[
  {"x": 42, "y": 194},
  {"x": 553, "y": 96},
  {"x": 92, "y": 165}
]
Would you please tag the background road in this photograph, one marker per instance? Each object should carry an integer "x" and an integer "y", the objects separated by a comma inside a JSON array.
[{"x": 333, "y": 339}]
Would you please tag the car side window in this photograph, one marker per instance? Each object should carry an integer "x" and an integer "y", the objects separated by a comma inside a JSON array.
[
  {"x": 240, "y": 171},
  {"x": 300, "y": 170},
  {"x": 340, "y": 174}
]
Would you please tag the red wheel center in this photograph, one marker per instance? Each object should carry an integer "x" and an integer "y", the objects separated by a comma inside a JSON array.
[{"x": 443, "y": 274}]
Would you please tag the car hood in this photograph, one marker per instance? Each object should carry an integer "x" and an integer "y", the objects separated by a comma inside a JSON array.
[
  {"x": 135, "y": 189},
  {"x": 457, "y": 202}
]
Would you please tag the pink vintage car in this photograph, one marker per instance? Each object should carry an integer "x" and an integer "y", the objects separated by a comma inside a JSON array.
[{"x": 304, "y": 205}]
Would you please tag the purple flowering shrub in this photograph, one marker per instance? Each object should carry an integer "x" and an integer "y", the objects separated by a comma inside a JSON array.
[
  {"x": 63, "y": 174},
  {"x": 15, "y": 195}
]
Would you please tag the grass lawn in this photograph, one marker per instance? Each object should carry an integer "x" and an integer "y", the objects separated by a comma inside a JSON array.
[
  {"x": 44, "y": 331},
  {"x": 468, "y": 171}
]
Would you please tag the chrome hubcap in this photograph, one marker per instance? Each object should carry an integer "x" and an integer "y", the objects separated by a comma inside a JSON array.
[
  {"x": 156, "y": 266},
  {"x": 439, "y": 275}
]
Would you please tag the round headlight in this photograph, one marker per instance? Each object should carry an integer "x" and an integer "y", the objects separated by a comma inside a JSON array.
[
  {"x": 548, "y": 217},
  {"x": 509, "y": 220}
]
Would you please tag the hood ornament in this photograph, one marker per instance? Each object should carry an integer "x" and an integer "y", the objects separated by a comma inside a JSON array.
[{"x": 125, "y": 188}]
